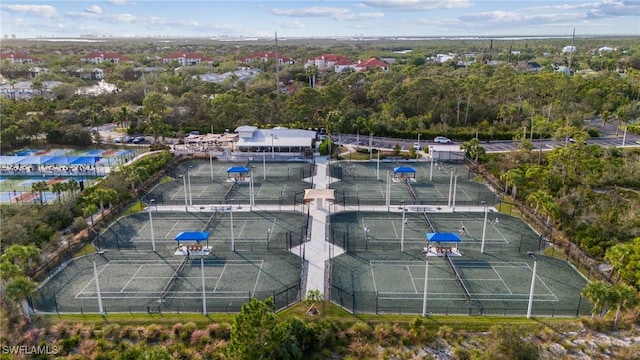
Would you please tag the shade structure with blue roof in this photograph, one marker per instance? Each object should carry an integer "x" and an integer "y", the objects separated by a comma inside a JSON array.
[
  {"x": 196, "y": 236},
  {"x": 186, "y": 247},
  {"x": 403, "y": 173},
  {"x": 240, "y": 173},
  {"x": 443, "y": 247}
]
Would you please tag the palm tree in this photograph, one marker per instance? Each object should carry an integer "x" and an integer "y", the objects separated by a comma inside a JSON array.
[
  {"x": 625, "y": 297},
  {"x": 18, "y": 290},
  {"x": 58, "y": 188},
  {"x": 89, "y": 211},
  {"x": 72, "y": 185},
  {"x": 40, "y": 187},
  {"x": 598, "y": 293},
  {"x": 100, "y": 196}
]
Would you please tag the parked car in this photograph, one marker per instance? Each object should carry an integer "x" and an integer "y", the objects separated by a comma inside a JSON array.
[
  {"x": 417, "y": 146},
  {"x": 442, "y": 140},
  {"x": 138, "y": 140},
  {"x": 117, "y": 140}
]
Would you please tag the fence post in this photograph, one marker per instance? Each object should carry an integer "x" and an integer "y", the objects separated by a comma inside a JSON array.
[
  {"x": 55, "y": 302},
  {"x": 579, "y": 303}
]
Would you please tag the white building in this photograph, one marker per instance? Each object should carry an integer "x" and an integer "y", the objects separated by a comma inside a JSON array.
[{"x": 279, "y": 139}]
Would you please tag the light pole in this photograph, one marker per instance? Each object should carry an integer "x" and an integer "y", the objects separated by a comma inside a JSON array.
[
  {"x": 233, "y": 245},
  {"x": 402, "y": 231},
  {"x": 378, "y": 166},
  {"x": 419, "y": 142},
  {"x": 455, "y": 187},
  {"x": 426, "y": 281},
  {"x": 95, "y": 275},
  {"x": 189, "y": 181},
  {"x": 211, "y": 164},
  {"x": 533, "y": 283},
  {"x": 273, "y": 154},
  {"x": 264, "y": 165},
  {"x": 153, "y": 238},
  {"x": 186, "y": 198},
  {"x": 484, "y": 227},
  {"x": 624, "y": 135},
  {"x": 204, "y": 292},
  {"x": 431, "y": 167}
]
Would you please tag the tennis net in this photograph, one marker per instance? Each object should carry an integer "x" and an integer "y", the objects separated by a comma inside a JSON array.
[
  {"x": 173, "y": 279},
  {"x": 210, "y": 221},
  {"x": 433, "y": 228},
  {"x": 459, "y": 278}
]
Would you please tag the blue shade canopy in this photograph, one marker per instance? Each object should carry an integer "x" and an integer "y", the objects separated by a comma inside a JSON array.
[
  {"x": 10, "y": 160},
  {"x": 443, "y": 237},
  {"x": 48, "y": 160},
  {"x": 404, "y": 169},
  {"x": 193, "y": 236},
  {"x": 238, "y": 169}
]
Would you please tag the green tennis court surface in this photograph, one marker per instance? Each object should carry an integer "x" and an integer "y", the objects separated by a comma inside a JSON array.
[
  {"x": 201, "y": 182},
  {"x": 375, "y": 276},
  {"x": 365, "y": 183},
  {"x": 132, "y": 277}
]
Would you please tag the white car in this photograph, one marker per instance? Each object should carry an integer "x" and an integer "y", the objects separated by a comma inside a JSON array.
[
  {"x": 417, "y": 146},
  {"x": 442, "y": 140}
]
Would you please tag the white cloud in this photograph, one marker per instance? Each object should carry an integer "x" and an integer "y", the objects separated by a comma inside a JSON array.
[
  {"x": 331, "y": 12},
  {"x": 45, "y": 11},
  {"x": 94, "y": 9},
  {"x": 291, "y": 24},
  {"x": 418, "y": 4},
  {"x": 316, "y": 11},
  {"x": 503, "y": 18},
  {"x": 117, "y": 2},
  {"x": 120, "y": 18}
]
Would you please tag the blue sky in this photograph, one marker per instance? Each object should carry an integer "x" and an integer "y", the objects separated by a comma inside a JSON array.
[{"x": 308, "y": 18}]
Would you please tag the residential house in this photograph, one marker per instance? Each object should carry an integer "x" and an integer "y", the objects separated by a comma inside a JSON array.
[
  {"x": 569, "y": 49},
  {"x": 328, "y": 62},
  {"x": 264, "y": 57},
  {"x": 98, "y": 57},
  {"x": 372, "y": 63},
  {"x": 530, "y": 66},
  {"x": 186, "y": 58},
  {"x": 18, "y": 58}
]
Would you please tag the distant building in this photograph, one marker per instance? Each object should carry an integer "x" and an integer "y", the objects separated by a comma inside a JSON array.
[
  {"x": 340, "y": 63},
  {"x": 328, "y": 61},
  {"x": 569, "y": 49},
  {"x": 98, "y": 57},
  {"x": 264, "y": 57},
  {"x": 279, "y": 139},
  {"x": 18, "y": 58},
  {"x": 530, "y": 66},
  {"x": 186, "y": 58},
  {"x": 372, "y": 63}
]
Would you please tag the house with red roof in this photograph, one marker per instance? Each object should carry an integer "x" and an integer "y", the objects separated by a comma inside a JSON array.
[
  {"x": 18, "y": 58},
  {"x": 264, "y": 57},
  {"x": 186, "y": 58},
  {"x": 329, "y": 62},
  {"x": 372, "y": 63},
  {"x": 98, "y": 57},
  {"x": 340, "y": 63}
]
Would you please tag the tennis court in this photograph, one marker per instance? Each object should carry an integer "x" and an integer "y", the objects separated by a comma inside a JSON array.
[
  {"x": 375, "y": 276},
  {"x": 365, "y": 183},
  {"x": 252, "y": 231},
  {"x": 134, "y": 282},
  {"x": 203, "y": 182}
]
